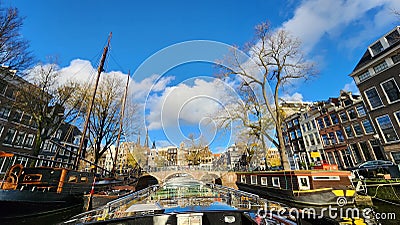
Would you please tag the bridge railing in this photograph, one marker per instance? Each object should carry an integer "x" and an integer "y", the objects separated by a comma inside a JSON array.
[{"x": 186, "y": 168}]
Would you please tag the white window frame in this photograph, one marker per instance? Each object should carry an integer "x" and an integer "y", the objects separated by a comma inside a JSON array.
[
  {"x": 369, "y": 103},
  {"x": 275, "y": 182},
  {"x": 387, "y": 97},
  {"x": 243, "y": 178},
  {"x": 253, "y": 179},
  {"x": 382, "y": 134},
  {"x": 395, "y": 116},
  {"x": 301, "y": 187},
  {"x": 264, "y": 181},
  {"x": 325, "y": 178}
]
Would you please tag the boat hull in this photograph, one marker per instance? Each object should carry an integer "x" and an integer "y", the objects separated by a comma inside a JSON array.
[
  {"x": 15, "y": 204},
  {"x": 318, "y": 198}
]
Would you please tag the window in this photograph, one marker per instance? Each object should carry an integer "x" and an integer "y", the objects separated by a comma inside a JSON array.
[
  {"x": 343, "y": 116},
  {"x": 386, "y": 126},
  {"x": 378, "y": 68},
  {"x": 373, "y": 98},
  {"x": 321, "y": 123},
  {"x": 292, "y": 135},
  {"x": 275, "y": 182},
  {"x": 304, "y": 127},
  {"x": 313, "y": 124},
  {"x": 4, "y": 112},
  {"x": 397, "y": 115},
  {"x": 10, "y": 94},
  {"x": 393, "y": 37},
  {"x": 264, "y": 181},
  {"x": 9, "y": 136},
  {"x": 356, "y": 151},
  {"x": 289, "y": 124},
  {"x": 349, "y": 131},
  {"x": 29, "y": 140},
  {"x": 253, "y": 179},
  {"x": 352, "y": 114},
  {"x": 327, "y": 121},
  {"x": 311, "y": 137},
  {"x": 298, "y": 132},
  {"x": 243, "y": 178},
  {"x": 360, "y": 110},
  {"x": 326, "y": 178},
  {"x": 19, "y": 139},
  {"x": 316, "y": 135},
  {"x": 17, "y": 116},
  {"x": 357, "y": 129},
  {"x": 340, "y": 136},
  {"x": 3, "y": 87},
  {"x": 334, "y": 119},
  {"x": 296, "y": 122},
  {"x": 396, "y": 157},
  {"x": 332, "y": 138},
  {"x": 304, "y": 183},
  {"x": 391, "y": 90},
  {"x": 367, "y": 126},
  {"x": 376, "y": 48},
  {"x": 364, "y": 75},
  {"x": 308, "y": 126},
  {"x": 325, "y": 139},
  {"x": 58, "y": 134},
  {"x": 396, "y": 58}
]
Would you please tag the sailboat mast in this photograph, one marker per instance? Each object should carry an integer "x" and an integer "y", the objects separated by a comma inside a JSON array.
[
  {"x": 99, "y": 70},
  {"x": 120, "y": 124}
]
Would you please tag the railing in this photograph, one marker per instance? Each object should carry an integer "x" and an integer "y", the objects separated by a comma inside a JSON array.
[
  {"x": 109, "y": 210},
  {"x": 186, "y": 168}
]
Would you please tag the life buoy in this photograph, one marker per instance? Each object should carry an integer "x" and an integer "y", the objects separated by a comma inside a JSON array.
[{"x": 13, "y": 173}]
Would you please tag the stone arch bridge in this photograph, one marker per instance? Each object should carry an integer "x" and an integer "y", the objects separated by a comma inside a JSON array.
[{"x": 219, "y": 177}]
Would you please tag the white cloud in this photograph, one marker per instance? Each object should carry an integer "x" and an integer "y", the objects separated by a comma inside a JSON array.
[
  {"x": 296, "y": 97},
  {"x": 315, "y": 18},
  {"x": 352, "y": 87},
  {"x": 186, "y": 103}
]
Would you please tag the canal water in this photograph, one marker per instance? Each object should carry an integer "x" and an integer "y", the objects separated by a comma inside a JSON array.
[{"x": 182, "y": 194}]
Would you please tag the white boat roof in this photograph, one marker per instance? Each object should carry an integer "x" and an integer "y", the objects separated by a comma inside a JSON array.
[{"x": 144, "y": 207}]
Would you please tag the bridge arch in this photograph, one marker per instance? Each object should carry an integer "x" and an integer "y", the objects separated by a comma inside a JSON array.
[
  {"x": 179, "y": 174},
  {"x": 145, "y": 181}
]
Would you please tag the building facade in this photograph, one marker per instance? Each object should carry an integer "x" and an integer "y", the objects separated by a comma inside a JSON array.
[{"x": 377, "y": 76}]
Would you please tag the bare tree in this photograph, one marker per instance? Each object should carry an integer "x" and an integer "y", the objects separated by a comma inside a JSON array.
[
  {"x": 14, "y": 50},
  {"x": 105, "y": 117},
  {"x": 45, "y": 100},
  {"x": 275, "y": 60}
]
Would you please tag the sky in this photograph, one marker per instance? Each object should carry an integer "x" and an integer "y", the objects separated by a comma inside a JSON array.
[{"x": 170, "y": 48}]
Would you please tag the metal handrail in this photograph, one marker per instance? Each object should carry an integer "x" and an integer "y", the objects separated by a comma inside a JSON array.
[{"x": 105, "y": 211}]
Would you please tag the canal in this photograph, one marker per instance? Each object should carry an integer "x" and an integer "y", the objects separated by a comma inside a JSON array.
[{"x": 186, "y": 195}]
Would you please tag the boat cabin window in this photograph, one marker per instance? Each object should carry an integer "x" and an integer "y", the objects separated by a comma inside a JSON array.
[
  {"x": 325, "y": 178},
  {"x": 72, "y": 179},
  {"x": 304, "y": 183},
  {"x": 253, "y": 179},
  {"x": 264, "y": 181},
  {"x": 275, "y": 182},
  {"x": 32, "y": 177},
  {"x": 84, "y": 179},
  {"x": 243, "y": 178}
]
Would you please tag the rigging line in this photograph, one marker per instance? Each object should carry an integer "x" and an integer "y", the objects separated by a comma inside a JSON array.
[{"x": 116, "y": 62}]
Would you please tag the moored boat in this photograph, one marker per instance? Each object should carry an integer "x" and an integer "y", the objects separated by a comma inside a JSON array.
[
  {"x": 29, "y": 192},
  {"x": 305, "y": 187}
]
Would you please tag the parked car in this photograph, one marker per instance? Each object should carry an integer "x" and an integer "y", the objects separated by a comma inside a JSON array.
[{"x": 372, "y": 168}]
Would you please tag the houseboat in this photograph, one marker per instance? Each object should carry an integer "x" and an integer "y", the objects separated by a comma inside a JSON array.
[
  {"x": 305, "y": 187},
  {"x": 31, "y": 192}
]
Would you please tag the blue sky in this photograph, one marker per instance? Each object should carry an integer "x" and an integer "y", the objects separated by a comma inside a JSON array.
[{"x": 335, "y": 34}]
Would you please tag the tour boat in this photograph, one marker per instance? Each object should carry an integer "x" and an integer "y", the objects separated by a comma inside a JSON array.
[{"x": 305, "y": 187}]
